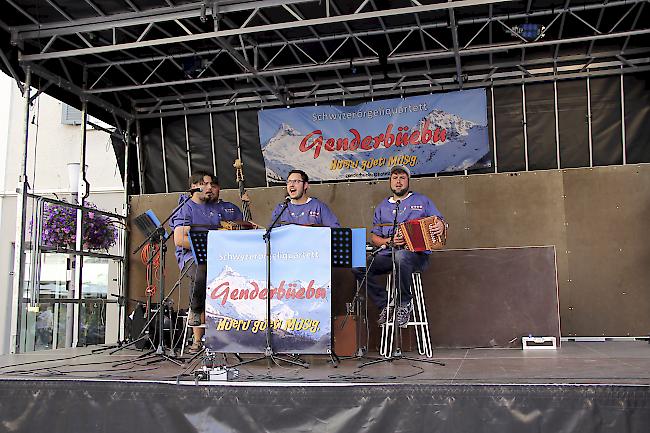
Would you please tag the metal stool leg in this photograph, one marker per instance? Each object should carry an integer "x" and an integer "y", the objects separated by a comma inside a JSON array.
[
  {"x": 185, "y": 321},
  {"x": 388, "y": 328},
  {"x": 420, "y": 320}
]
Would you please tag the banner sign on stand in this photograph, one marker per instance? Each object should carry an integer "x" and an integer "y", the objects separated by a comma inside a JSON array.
[
  {"x": 300, "y": 292},
  {"x": 429, "y": 134}
]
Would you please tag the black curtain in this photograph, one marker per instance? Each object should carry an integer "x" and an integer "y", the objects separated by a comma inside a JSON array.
[
  {"x": 151, "y": 152},
  {"x": 573, "y": 123},
  {"x": 175, "y": 146},
  {"x": 637, "y": 117},
  {"x": 118, "y": 148},
  {"x": 198, "y": 132},
  {"x": 509, "y": 128},
  {"x": 606, "y": 121},
  {"x": 225, "y": 142},
  {"x": 540, "y": 124}
]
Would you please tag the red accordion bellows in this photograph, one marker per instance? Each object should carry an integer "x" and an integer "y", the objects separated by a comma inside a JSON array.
[{"x": 419, "y": 237}]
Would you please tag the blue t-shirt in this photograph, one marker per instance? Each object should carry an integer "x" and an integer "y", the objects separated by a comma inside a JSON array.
[
  {"x": 413, "y": 206},
  {"x": 228, "y": 211},
  {"x": 314, "y": 212},
  {"x": 206, "y": 214}
]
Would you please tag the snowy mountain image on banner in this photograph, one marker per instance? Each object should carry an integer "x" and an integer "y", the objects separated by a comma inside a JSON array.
[
  {"x": 464, "y": 145},
  {"x": 430, "y": 134},
  {"x": 253, "y": 307}
]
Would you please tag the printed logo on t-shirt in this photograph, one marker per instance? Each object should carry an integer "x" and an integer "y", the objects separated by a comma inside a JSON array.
[
  {"x": 417, "y": 207},
  {"x": 314, "y": 213}
]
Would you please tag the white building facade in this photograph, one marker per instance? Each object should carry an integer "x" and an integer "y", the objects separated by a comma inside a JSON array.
[{"x": 47, "y": 321}]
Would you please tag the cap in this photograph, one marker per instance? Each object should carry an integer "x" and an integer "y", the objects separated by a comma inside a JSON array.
[{"x": 401, "y": 168}]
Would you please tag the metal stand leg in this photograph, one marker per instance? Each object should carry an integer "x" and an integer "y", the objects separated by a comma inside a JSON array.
[
  {"x": 388, "y": 328},
  {"x": 419, "y": 315},
  {"x": 420, "y": 322}
]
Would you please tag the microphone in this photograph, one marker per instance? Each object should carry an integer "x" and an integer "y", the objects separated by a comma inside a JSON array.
[
  {"x": 378, "y": 250},
  {"x": 286, "y": 201},
  {"x": 193, "y": 190}
]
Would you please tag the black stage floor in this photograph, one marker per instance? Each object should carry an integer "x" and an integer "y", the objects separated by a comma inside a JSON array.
[
  {"x": 603, "y": 363},
  {"x": 583, "y": 386}
]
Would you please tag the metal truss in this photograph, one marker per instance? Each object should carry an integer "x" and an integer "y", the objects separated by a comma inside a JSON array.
[{"x": 283, "y": 52}]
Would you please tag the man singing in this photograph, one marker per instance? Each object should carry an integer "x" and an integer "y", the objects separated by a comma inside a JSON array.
[
  {"x": 202, "y": 209},
  {"x": 302, "y": 209},
  {"x": 408, "y": 205}
]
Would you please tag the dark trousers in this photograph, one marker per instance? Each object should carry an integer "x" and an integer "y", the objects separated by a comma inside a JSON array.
[
  {"x": 406, "y": 262},
  {"x": 198, "y": 277}
]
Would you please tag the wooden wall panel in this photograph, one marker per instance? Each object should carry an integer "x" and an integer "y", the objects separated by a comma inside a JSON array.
[
  {"x": 608, "y": 237},
  {"x": 603, "y": 251}
]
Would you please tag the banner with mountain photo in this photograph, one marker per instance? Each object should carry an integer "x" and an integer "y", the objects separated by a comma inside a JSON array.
[
  {"x": 236, "y": 296},
  {"x": 435, "y": 133}
]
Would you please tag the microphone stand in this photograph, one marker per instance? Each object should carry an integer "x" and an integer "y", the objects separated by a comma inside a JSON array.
[
  {"x": 396, "y": 295},
  {"x": 158, "y": 237},
  {"x": 268, "y": 351},
  {"x": 359, "y": 301}
]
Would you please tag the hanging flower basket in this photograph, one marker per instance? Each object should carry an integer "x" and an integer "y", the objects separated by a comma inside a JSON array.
[{"x": 59, "y": 228}]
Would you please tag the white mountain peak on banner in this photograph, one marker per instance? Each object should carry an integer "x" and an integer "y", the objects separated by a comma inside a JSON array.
[
  {"x": 228, "y": 272},
  {"x": 281, "y": 155},
  {"x": 285, "y": 130},
  {"x": 454, "y": 124}
]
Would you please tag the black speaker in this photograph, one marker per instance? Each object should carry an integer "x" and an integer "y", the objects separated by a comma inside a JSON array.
[
  {"x": 137, "y": 325},
  {"x": 171, "y": 322}
]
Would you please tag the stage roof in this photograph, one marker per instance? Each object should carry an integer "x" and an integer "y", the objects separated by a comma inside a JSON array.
[{"x": 155, "y": 58}]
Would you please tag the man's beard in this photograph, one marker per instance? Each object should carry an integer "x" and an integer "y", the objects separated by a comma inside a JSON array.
[
  {"x": 298, "y": 195},
  {"x": 401, "y": 193}
]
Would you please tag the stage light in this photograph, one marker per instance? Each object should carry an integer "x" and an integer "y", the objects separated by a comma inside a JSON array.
[
  {"x": 529, "y": 31},
  {"x": 353, "y": 68}
]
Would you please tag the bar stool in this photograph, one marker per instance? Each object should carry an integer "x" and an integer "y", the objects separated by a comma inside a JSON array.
[
  {"x": 418, "y": 319},
  {"x": 186, "y": 326}
]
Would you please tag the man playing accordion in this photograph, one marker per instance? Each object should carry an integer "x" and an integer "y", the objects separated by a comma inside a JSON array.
[{"x": 409, "y": 206}]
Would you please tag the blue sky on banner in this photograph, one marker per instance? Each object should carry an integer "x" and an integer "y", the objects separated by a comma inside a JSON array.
[
  {"x": 245, "y": 251},
  {"x": 461, "y": 103},
  {"x": 430, "y": 133}
]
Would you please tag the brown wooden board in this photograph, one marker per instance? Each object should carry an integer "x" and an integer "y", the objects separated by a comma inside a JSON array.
[
  {"x": 608, "y": 237},
  {"x": 491, "y": 297}
]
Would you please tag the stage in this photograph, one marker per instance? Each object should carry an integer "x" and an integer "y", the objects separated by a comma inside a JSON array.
[{"x": 583, "y": 386}]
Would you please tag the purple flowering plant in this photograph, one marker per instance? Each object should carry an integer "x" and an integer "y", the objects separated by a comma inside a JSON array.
[{"x": 59, "y": 228}]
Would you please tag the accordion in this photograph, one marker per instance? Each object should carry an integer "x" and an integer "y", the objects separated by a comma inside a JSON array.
[
  {"x": 237, "y": 225},
  {"x": 419, "y": 237}
]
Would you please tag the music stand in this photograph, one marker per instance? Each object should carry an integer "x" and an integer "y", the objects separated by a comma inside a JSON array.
[
  {"x": 159, "y": 236},
  {"x": 148, "y": 224},
  {"x": 341, "y": 247},
  {"x": 199, "y": 244},
  {"x": 349, "y": 251}
]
